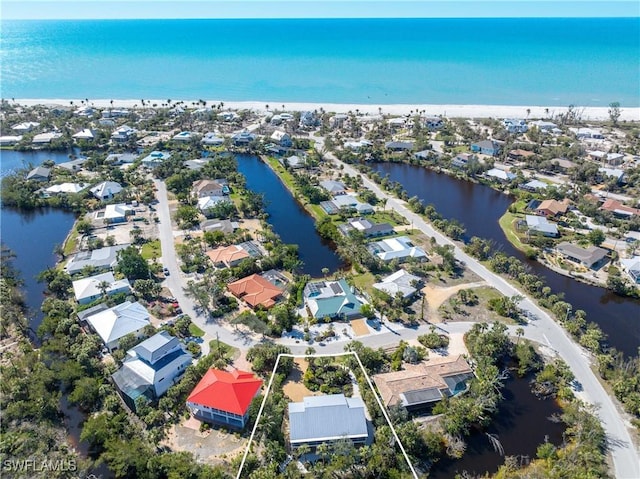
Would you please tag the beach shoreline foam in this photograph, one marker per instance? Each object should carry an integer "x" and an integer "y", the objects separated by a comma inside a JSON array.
[{"x": 450, "y": 111}]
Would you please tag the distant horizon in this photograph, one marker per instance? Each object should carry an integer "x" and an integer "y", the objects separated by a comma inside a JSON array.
[
  {"x": 308, "y": 18},
  {"x": 313, "y": 9}
]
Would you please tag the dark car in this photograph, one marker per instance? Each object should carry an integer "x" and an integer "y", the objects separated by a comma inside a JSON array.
[{"x": 165, "y": 271}]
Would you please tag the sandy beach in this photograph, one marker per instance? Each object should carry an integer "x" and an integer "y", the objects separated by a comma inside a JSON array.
[{"x": 594, "y": 113}]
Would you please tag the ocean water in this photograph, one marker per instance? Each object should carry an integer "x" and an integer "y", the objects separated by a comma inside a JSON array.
[{"x": 556, "y": 62}]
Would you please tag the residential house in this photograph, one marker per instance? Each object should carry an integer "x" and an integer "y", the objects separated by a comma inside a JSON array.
[
  {"x": 534, "y": 186},
  {"x": 123, "y": 134},
  {"x": 9, "y": 140},
  {"x": 433, "y": 122},
  {"x": 232, "y": 255},
  {"x": 155, "y": 158},
  {"x": 85, "y": 134},
  {"x": 294, "y": 162},
  {"x": 115, "y": 113},
  {"x": 121, "y": 158},
  {"x": 282, "y": 139},
  {"x": 225, "y": 226},
  {"x": 66, "y": 188},
  {"x": 197, "y": 164},
  {"x": 399, "y": 145},
  {"x": 587, "y": 133},
  {"x": 338, "y": 120},
  {"x": 346, "y": 203},
  {"x": 428, "y": 155},
  {"x": 397, "y": 123},
  {"x": 308, "y": 119},
  {"x": 335, "y": 188},
  {"x": 25, "y": 127},
  {"x": 228, "y": 116},
  {"x": 519, "y": 154},
  {"x": 332, "y": 299},
  {"x": 115, "y": 213},
  {"x": 224, "y": 398},
  {"x": 151, "y": 368},
  {"x": 420, "y": 386},
  {"x": 106, "y": 190},
  {"x": 185, "y": 136},
  {"x": 619, "y": 209},
  {"x": 39, "y": 173},
  {"x": 540, "y": 224},
  {"x": 256, "y": 291},
  {"x": 243, "y": 138},
  {"x": 207, "y": 203},
  {"x": 563, "y": 164},
  {"x": 212, "y": 139},
  {"x": 592, "y": 257},
  {"x": 486, "y": 147},
  {"x": 87, "y": 290},
  {"x": 400, "y": 248},
  {"x": 366, "y": 227},
  {"x": 202, "y": 188},
  {"x": 614, "y": 159},
  {"x": 631, "y": 266},
  {"x": 99, "y": 259},
  {"x": 515, "y": 125},
  {"x": 115, "y": 323},
  {"x": 461, "y": 160},
  {"x": 327, "y": 419},
  {"x": 399, "y": 282},
  {"x": 46, "y": 138},
  {"x": 357, "y": 145},
  {"x": 616, "y": 173},
  {"x": 543, "y": 125},
  {"x": 72, "y": 165},
  {"x": 501, "y": 175},
  {"x": 553, "y": 207}
]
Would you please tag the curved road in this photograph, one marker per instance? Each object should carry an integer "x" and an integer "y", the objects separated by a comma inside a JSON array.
[{"x": 544, "y": 330}]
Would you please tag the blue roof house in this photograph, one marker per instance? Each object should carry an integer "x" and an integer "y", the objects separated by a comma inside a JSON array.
[
  {"x": 486, "y": 147},
  {"x": 333, "y": 299}
]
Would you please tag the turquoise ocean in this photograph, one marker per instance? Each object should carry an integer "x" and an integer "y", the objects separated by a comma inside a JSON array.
[{"x": 555, "y": 62}]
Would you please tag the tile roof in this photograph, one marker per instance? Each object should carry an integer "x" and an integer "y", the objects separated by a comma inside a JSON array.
[
  {"x": 225, "y": 391},
  {"x": 227, "y": 254},
  {"x": 255, "y": 290}
]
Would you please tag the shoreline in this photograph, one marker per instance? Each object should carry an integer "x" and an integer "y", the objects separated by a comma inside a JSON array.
[{"x": 593, "y": 113}]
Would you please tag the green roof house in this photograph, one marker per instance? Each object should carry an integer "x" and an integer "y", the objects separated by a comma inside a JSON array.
[{"x": 333, "y": 299}]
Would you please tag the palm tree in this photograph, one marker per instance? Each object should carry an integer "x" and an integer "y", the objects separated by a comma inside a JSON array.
[
  {"x": 103, "y": 286},
  {"x": 519, "y": 334}
]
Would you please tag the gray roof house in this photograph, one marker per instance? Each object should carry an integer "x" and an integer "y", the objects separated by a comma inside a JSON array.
[
  {"x": 399, "y": 145},
  {"x": 102, "y": 258},
  {"x": 631, "y": 266},
  {"x": 540, "y": 224},
  {"x": 106, "y": 190},
  {"x": 333, "y": 299},
  {"x": 115, "y": 323},
  {"x": 592, "y": 257},
  {"x": 325, "y": 419},
  {"x": 334, "y": 187},
  {"x": 399, "y": 282},
  {"x": 486, "y": 147},
  {"x": 500, "y": 175},
  {"x": 151, "y": 368},
  {"x": 346, "y": 202},
  {"x": 87, "y": 290},
  {"x": 39, "y": 173},
  {"x": 366, "y": 227},
  {"x": 399, "y": 248}
]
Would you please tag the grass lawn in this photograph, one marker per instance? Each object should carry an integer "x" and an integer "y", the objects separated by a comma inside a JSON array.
[
  {"x": 194, "y": 330},
  {"x": 151, "y": 250},
  {"x": 71, "y": 243},
  {"x": 364, "y": 281},
  {"x": 507, "y": 223},
  {"x": 394, "y": 219},
  {"x": 225, "y": 349}
]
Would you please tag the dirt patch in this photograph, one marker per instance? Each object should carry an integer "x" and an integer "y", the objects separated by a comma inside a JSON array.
[
  {"x": 294, "y": 388},
  {"x": 359, "y": 327},
  {"x": 436, "y": 295}
]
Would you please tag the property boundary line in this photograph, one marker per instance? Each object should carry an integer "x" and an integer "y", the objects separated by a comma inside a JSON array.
[{"x": 305, "y": 356}]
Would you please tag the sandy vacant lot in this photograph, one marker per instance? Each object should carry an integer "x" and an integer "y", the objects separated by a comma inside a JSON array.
[
  {"x": 359, "y": 327},
  {"x": 436, "y": 295},
  {"x": 294, "y": 388}
]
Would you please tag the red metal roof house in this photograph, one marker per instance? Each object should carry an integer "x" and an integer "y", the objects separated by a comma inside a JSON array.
[{"x": 224, "y": 398}]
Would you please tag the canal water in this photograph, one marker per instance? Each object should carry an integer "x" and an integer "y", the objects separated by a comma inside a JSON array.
[
  {"x": 288, "y": 218},
  {"x": 521, "y": 424},
  {"x": 11, "y": 160},
  {"x": 479, "y": 207}
]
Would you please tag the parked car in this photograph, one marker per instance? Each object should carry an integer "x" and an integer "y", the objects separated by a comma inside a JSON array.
[{"x": 165, "y": 271}]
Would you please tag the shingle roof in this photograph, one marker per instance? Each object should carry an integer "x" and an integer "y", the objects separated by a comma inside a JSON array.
[
  {"x": 115, "y": 323},
  {"x": 231, "y": 392}
]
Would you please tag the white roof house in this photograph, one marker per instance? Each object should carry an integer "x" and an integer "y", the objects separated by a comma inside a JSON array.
[
  {"x": 540, "y": 224},
  {"x": 67, "y": 188},
  {"x": 399, "y": 282},
  {"x": 7, "y": 140},
  {"x": 334, "y": 187},
  {"x": 87, "y": 290},
  {"x": 25, "y": 127},
  {"x": 155, "y": 158},
  {"x": 44, "y": 138},
  {"x": 185, "y": 136},
  {"x": 501, "y": 175},
  {"x": 123, "y": 134},
  {"x": 115, "y": 213},
  {"x": 631, "y": 266},
  {"x": 85, "y": 134},
  {"x": 106, "y": 190},
  {"x": 151, "y": 368},
  {"x": 101, "y": 258},
  {"x": 115, "y": 323},
  {"x": 212, "y": 139},
  {"x": 399, "y": 248},
  {"x": 616, "y": 173},
  {"x": 323, "y": 419},
  {"x": 207, "y": 202}
]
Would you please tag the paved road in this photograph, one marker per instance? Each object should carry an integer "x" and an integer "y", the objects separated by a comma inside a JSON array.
[{"x": 545, "y": 330}]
